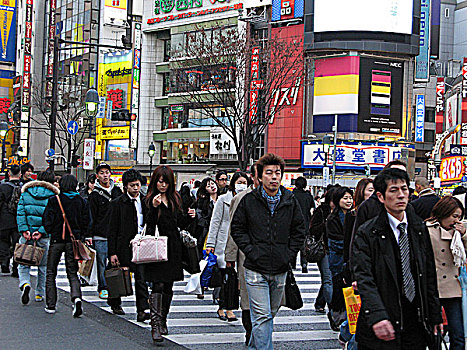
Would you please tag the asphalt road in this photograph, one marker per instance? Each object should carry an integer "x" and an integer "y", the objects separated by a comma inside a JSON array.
[{"x": 30, "y": 327}]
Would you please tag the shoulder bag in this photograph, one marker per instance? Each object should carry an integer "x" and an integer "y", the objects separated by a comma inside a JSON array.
[
  {"x": 149, "y": 249},
  {"x": 293, "y": 298},
  {"x": 79, "y": 250},
  {"x": 315, "y": 249}
]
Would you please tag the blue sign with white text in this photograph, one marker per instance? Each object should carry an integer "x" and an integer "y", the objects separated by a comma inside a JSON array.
[
  {"x": 419, "y": 118},
  {"x": 422, "y": 61}
]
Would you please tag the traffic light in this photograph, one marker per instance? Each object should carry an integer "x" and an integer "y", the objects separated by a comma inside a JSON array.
[
  {"x": 75, "y": 160},
  {"x": 121, "y": 115}
]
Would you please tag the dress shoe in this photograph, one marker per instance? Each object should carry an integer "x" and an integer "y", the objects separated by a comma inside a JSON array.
[
  {"x": 117, "y": 310},
  {"x": 222, "y": 316},
  {"x": 25, "y": 294},
  {"x": 230, "y": 316},
  {"x": 142, "y": 316},
  {"x": 304, "y": 269},
  {"x": 5, "y": 269}
]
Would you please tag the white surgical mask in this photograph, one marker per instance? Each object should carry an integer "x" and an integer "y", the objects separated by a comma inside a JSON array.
[{"x": 240, "y": 187}]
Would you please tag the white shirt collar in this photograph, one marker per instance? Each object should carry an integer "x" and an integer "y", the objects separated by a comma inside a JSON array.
[
  {"x": 138, "y": 199},
  {"x": 393, "y": 222}
]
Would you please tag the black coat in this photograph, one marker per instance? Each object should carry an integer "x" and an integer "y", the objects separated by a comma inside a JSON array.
[
  {"x": 7, "y": 219},
  {"x": 318, "y": 222},
  {"x": 123, "y": 228},
  {"x": 99, "y": 204},
  {"x": 77, "y": 213},
  {"x": 269, "y": 241},
  {"x": 306, "y": 201},
  {"x": 424, "y": 205},
  {"x": 334, "y": 226},
  {"x": 379, "y": 284},
  {"x": 168, "y": 222}
]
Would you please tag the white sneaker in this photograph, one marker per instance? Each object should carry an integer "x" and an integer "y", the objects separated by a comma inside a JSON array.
[
  {"x": 49, "y": 310},
  {"x": 77, "y": 307}
]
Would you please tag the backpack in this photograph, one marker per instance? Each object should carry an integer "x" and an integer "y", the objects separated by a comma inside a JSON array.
[{"x": 12, "y": 205}]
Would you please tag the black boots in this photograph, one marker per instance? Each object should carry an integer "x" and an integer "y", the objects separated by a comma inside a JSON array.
[
  {"x": 166, "y": 301},
  {"x": 155, "y": 307}
]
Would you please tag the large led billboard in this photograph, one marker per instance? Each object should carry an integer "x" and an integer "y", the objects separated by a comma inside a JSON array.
[{"x": 391, "y": 16}]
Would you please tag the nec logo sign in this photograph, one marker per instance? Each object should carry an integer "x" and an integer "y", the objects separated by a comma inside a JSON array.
[{"x": 396, "y": 64}]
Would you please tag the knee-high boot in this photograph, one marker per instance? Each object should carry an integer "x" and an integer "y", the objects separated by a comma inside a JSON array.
[
  {"x": 166, "y": 301},
  {"x": 246, "y": 321},
  {"x": 155, "y": 307}
]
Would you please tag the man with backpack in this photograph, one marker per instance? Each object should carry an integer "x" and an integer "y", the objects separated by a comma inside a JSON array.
[{"x": 10, "y": 192}]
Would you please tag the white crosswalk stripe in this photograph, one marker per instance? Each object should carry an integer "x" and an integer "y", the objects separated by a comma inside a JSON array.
[{"x": 193, "y": 323}]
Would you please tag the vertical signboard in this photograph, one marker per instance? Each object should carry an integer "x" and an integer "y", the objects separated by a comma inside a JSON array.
[
  {"x": 420, "y": 118},
  {"x": 451, "y": 118},
  {"x": 50, "y": 47},
  {"x": 422, "y": 61},
  {"x": 88, "y": 154},
  {"x": 8, "y": 31},
  {"x": 435, "y": 28},
  {"x": 287, "y": 9},
  {"x": 440, "y": 89},
  {"x": 464, "y": 100},
  {"x": 254, "y": 88},
  {"x": 135, "y": 85}
]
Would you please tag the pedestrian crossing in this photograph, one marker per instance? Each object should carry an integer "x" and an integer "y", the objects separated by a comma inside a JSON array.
[{"x": 193, "y": 323}]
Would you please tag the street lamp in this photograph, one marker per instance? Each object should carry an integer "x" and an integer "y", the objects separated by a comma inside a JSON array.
[
  {"x": 151, "y": 152},
  {"x": 3, "y": 129},
  {"x": 91, "y": 102}
]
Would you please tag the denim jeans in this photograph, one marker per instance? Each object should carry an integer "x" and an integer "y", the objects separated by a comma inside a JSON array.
[
  {"x": 348, "y": 337},
  {"x": 265, "y": 293},
  {"x": 326, "y": 283},
  {"x": 336, "y": 256},
  {"x": 101, "y": 258},
  {"x": 453, "y": 309},
  {"x": 24, "y": 271}
]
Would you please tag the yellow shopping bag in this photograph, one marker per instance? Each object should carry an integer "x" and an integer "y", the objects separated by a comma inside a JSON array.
[{"x": 352, "y": 304}]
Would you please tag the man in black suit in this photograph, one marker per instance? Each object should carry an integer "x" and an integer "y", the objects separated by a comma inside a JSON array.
[
  {"x": 427, "y": 198},
  {"x": 127, "y": 220}
]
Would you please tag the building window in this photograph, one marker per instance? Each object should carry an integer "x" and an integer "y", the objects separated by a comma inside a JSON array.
[
  {"x": 165, "y": 118},
  {"x": 165, "y": 84},
  {"x": 259, "y": 149},
  {"x": 430, "y": 115},
  {"x": 166, "y": 50},
  {"x": 429, "y": 135}
]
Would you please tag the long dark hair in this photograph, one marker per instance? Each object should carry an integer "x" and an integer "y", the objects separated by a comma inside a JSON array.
[
  {"x": 167, "y": 174},
  {"x": 203, "y": 197},
  {"x": 360, "y": 191}
]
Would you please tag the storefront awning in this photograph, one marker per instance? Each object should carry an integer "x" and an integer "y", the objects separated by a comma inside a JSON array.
[{"x": 182, "y": 135}]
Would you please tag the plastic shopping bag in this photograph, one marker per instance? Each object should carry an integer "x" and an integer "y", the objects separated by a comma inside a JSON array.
[
  {"x": 92, "y": 279},
  {"x": 193, "y": 286},
  {"x": 353, "y": 304},
  {"x": 206, "y": 273}
]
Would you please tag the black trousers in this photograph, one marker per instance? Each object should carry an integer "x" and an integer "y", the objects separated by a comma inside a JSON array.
[
  {"x": 141, "y": 292},
  {"x": 53, "y": 259},
  {"x": 8, "y": 240}
]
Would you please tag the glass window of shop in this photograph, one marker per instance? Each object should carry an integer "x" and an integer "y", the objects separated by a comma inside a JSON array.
[
  {"x": 119, "y": 150},
  {"x": 165, "y": 84},
  {"x": 203, "y": 79},
  {"x": 198, "y": 117},
  {"x": 186, "y": 152}
]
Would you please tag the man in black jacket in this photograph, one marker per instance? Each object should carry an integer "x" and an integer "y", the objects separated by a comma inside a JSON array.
[
  {"x": 99, "y": 204},
  {"x": 9, "y": 235},
  {"x": 394, "y": 267},
  {"x": 126, "y": 221},
  {"x": 427, "y": 198},
  {"x": 268, "y": 227}
]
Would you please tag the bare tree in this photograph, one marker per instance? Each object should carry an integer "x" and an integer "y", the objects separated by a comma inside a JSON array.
[
  {"x": 70, "y": 107},
  {"x": 232, "y": 69}
]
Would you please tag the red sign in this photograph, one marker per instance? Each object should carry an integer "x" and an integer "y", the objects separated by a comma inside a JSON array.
[
  {"x": 254, "y": 75},
  {"x": 464, "y": 102},
  {"x": 287, "y": 8},
  {"x": 440, "y": 86},
  {"x": 27, "y": 63},
  {"x": 116, "y": 96},
  {"x": 4, "y": 105},
  {"x": 285, "y": 128}
]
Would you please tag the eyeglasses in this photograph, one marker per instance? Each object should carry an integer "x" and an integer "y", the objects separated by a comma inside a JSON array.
[{"x": 223, "y": 179}]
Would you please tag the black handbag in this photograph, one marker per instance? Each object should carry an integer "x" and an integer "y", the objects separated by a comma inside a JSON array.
[
  {"x": 118, "y": 281},
  {"x": 315, "y": 249},
  {"x": 231, "y": 293},
  {"x": 190, "y": 259},
  {"x": 216, "y": 278},
  {"x": 293, "y": 298}
]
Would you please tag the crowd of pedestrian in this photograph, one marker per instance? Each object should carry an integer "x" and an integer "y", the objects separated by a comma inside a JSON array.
[{"x": 401, "y": 254}]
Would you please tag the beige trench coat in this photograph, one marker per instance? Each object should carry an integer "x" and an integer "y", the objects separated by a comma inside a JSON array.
[{"x": 446, "y": 271}]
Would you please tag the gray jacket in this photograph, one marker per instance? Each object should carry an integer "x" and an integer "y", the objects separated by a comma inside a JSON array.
[{"x": 219, "y": 227}]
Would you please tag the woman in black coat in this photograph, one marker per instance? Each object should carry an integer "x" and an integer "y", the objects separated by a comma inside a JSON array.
[
  {"x": 77, "y": 214},
  {"x": 165, "y": 212}
]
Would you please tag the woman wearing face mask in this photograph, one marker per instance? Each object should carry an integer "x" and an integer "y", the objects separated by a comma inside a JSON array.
[
  {"x": 449, "y": 242},
  {"x": 219, "y": 233}
]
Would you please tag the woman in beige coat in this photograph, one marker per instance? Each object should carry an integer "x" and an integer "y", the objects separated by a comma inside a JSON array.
[{"x": 449, "y": 242}]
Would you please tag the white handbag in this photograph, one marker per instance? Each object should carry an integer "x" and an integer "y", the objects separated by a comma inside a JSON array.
[{"x": 149, "y": 249}]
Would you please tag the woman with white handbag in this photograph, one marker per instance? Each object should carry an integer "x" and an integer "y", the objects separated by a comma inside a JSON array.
[{"x": 165, "y": 213}]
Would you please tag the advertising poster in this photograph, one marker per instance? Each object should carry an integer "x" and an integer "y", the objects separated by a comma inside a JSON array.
[
  {"x": 380, "y": 96},
  {"x": 115, "y": 12},
  {"x": 464, "y": 101},
  {"x": 422, "y": 61},
  {"x": 439, "y": 118},
  {"x": 419, "y": 118},
  {"x": 8, "y": 30},
  {"x": 451, "y": 119},
  {"x": 287, "y": 9},
  {"x": 285, "y": 128}
]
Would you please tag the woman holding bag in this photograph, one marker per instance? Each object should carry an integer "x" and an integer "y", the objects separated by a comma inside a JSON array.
[
  {"x": 219, "y": 233},
  {"x": 165, "y": 213},
  {"x": 449, "y": 241},
  {"x": 75, "y": 208}
]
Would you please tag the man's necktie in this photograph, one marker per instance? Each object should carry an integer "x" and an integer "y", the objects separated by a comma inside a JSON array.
[{"x": 407, "y": 278}]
